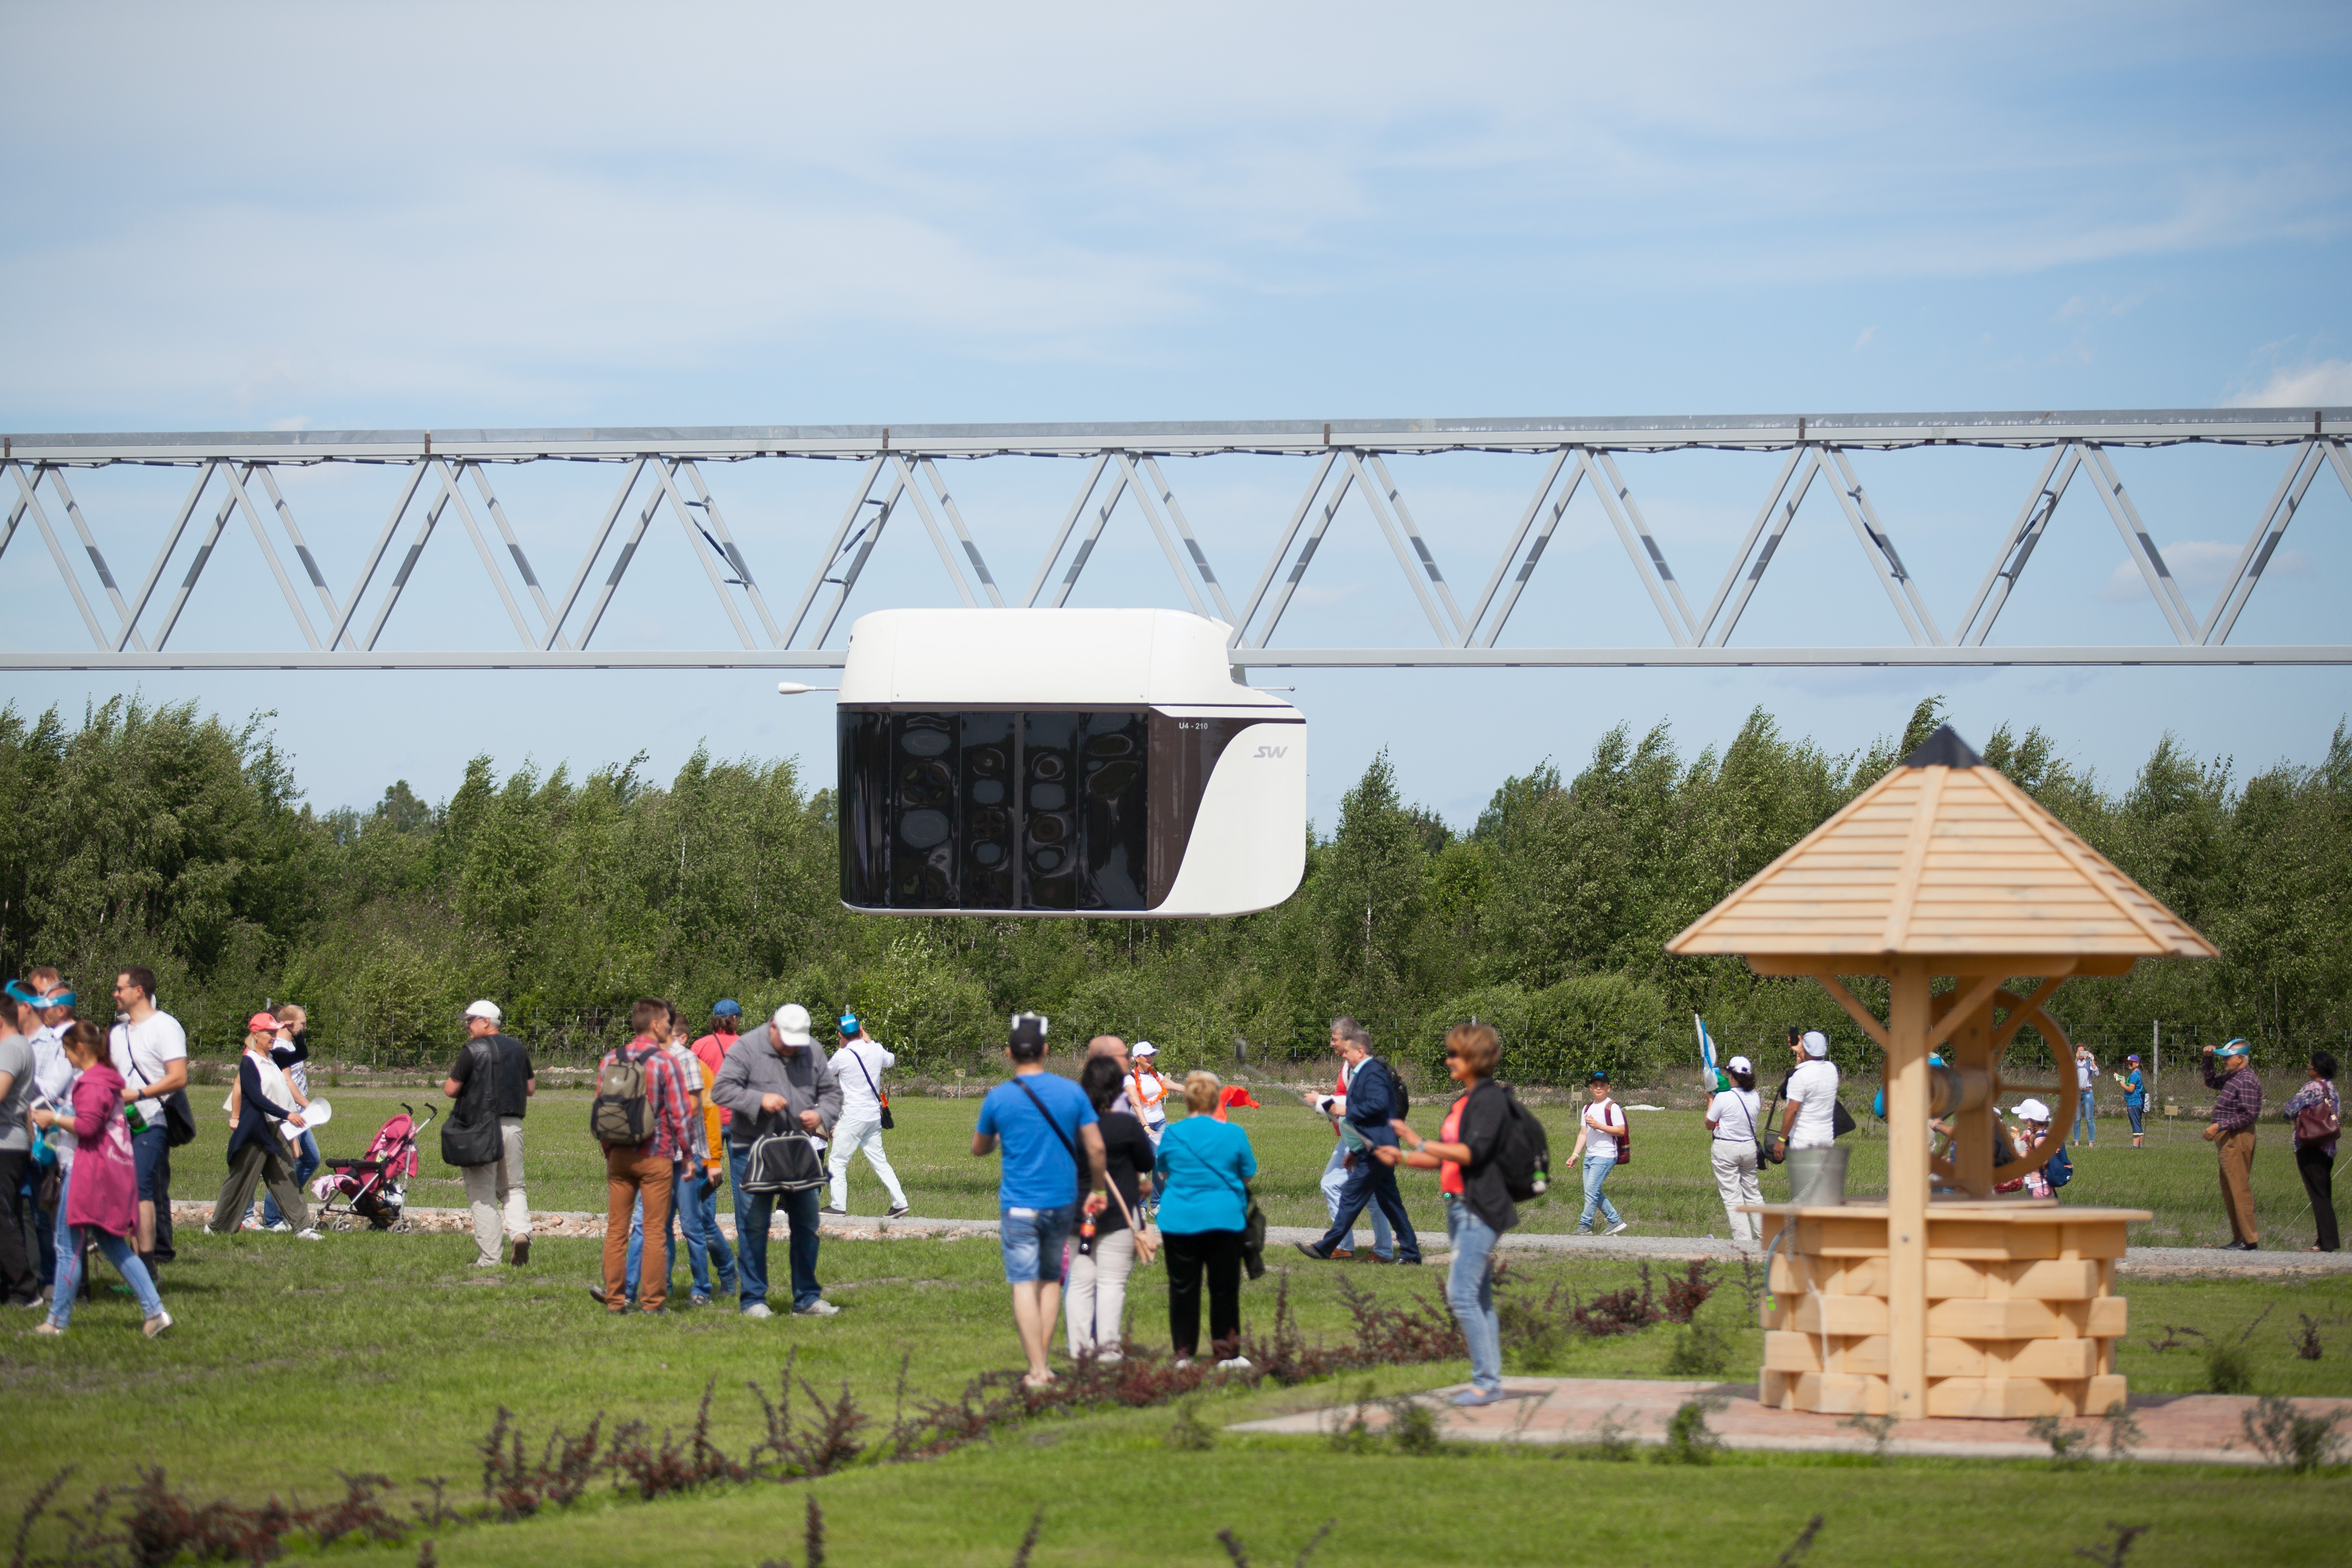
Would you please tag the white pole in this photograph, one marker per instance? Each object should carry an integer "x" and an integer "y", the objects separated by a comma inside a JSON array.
[{"x": 2156, "y": 1064}]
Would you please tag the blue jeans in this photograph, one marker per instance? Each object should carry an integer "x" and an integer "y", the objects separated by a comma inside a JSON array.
[
  {"x": 1033, "y": 1240},
  {"x": 117, "y": 1252},
  {"x": 2134, "y": 1113},
  {"x": 753, "y": 1212},
  {"x": 306, "y": 1166},
  {"x": 1470, "y": 1291},
  {"x": 2086, "y": 1126},
  {"x": 1596, "y": 1171},
  {"x": 1335, "y": 1181},
  {"x": 696, "y": 1212}
]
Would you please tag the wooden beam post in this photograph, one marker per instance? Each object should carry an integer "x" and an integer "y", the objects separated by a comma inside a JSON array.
[{"x": 1907, "y": 1190}]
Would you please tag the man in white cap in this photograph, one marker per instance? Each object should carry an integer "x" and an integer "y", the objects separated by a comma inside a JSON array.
[
  {"x": 2237, "y": 1107},
  {"x": 493, "y": 1077},
  {"x": 1808, "y": 1121},
  {"x": 774, "y": 1077}
]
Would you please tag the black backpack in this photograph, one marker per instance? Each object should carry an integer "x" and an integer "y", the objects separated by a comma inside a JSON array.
[
  {"x": 1524, "y": 1154},
  {"x": 1397, "y": 1091}
]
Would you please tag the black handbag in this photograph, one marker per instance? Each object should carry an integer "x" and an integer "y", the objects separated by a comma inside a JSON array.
[
  {"x": 476, "y": 1139},
  {"x": 782, "y": 1162},
  {"x": 1252, "y": 1235},
  {"x": 1764, "y": 1155},
  {"x": 179, "y": 1119},
  {"x": 1840, "y": 1119}
]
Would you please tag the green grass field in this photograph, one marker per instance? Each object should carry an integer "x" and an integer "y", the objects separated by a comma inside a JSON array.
[
  {"x": 1668, "y": 1190},
  {"x": 390, "y": 1353}
]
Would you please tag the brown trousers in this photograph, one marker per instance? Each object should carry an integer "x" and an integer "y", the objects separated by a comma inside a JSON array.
[
  {"x": 2237, "y": 1151},
  {"x": 631, "y": 1171}
]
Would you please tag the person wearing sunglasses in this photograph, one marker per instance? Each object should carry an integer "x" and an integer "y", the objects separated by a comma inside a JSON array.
[{"x": 1478, "y": 1207}]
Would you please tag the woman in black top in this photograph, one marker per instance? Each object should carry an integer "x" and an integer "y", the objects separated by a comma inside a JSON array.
[
  {"x": 256, "y": 1151},
  {"x": 1095, "y": 1293}
]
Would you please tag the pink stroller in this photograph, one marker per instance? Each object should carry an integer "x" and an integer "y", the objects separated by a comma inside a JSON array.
[{"x": 374, "y": 1185}]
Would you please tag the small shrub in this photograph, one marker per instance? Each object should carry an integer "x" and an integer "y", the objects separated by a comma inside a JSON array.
[
  {"x": 2121, "y": 1430},
  {"x": 1190, "y": 1434},
  {"x": 2293, "y": 1441},
  {"x": 2308, "y": 1348},
  {"x": 1355, "y": 1435},
  {"x": 1689, "y": 1441},
  {"x": 2227, "y": 1368},
  {"x": 1611, "y": 1442},
  {"x": 2065, "y": 1442},
  {"x": 1877, "y": 1428},
  {"x": 360, "y": 1513},
  {"x": 1413, "y": 1428},
  {"x": 2111, "y": 1552},
  {"x": 1802, "y": 1545},
  {"x": 1687, "y": 1294},
  {"x": 1701, "y": 1350}
]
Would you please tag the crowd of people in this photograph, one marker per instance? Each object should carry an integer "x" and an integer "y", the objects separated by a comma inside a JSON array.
[{"x": 1095, "y": 1177}]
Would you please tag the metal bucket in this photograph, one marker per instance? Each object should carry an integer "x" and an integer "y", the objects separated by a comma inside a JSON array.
[{"x": 1818, "y": 1176}]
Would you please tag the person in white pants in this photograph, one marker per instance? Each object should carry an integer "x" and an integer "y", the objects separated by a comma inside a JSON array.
[
  {"x": 1732, "y": 1116},
  {"x": 1094, "y": 1305},
  {"x": 859, "y": 1065}
]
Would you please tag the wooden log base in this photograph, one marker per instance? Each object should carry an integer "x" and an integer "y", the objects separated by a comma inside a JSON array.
[{"x": 2023, "y": 1315}]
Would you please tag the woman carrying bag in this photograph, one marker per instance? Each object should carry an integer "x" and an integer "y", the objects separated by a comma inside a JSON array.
[
  {"x": 1094, "y": 1297},
  {"x": 1203, "y": 1171},
  {"x": 1733, "y": 1117}
]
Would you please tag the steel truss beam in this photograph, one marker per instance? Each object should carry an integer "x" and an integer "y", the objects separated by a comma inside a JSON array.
[{"x": 660, "y": 472}]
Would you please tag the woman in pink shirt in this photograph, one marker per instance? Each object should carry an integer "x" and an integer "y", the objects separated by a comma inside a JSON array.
[{"x": 100, "y": 1200}]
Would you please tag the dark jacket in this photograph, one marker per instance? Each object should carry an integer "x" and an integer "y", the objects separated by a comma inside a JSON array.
[
  {"x": 1485, "y": 1116},
  {"x": 1372, "y": 1102},
  {"x": 257, "y": 1116},
  {"x": 753, "y": 1068}
]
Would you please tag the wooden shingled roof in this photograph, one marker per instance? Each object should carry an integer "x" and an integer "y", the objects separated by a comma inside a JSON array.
[{"x": 1943, "y": 856}]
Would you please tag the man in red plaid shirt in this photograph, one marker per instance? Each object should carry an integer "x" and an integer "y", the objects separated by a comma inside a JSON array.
[{"x": 641, "y": 1170}]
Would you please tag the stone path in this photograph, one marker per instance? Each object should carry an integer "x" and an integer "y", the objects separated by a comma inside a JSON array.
[
  {"x": 2146, "y": 1262},
  {"x": 2188, "y": 1429}
]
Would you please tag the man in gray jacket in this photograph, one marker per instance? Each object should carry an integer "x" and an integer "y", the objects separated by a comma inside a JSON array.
[{"x": 774, "y": 1078}]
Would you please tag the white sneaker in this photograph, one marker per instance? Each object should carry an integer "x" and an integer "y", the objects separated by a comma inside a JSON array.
[
  {"x": 487, "y": 1263},
  {"x": 1236, "y": 1363},
  {"x": 156, "y": 1324},
  {"x": 1183, "y": 1361},
  {"x": 307, "y": 1236},
  {"x": 820, "y": 1307},
  {"x": 1621, "y": 1226},
  {"x": 281, "y": 1228},
  {"x": 251, "y": 1223},
  {"x": 758, "y": 1311}
]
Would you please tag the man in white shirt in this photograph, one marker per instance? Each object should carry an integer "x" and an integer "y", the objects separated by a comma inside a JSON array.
[
  {"x": 150, "y": 1051},
  {"x": 859, "y": 1065},
  {"x": 1808, "y": 1121}
]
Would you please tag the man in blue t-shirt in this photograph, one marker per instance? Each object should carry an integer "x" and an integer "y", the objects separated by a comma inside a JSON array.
[{"x": 1043, "y": 1122}]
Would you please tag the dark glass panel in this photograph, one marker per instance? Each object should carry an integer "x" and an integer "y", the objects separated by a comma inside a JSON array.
[
  {"x": 987, "y": 748},
  {"x": 1115, "y": 835}
]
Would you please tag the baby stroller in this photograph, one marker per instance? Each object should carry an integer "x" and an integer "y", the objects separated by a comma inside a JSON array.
[{"x": 374, "y": 1186}]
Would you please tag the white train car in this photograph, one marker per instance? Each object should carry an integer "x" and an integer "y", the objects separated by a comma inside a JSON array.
[{"x": 1074, "y": 763}]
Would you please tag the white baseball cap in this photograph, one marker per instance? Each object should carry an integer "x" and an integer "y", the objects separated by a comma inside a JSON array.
[
  {"x": 1816, "y": 1043},
  {"x": 1144, "y": 1049},
  {"x": 485, "y": 1009},
  {"x": 2032, "y": 1111},
  {"x": 1738, "y": 1064},
  {"x": 793, "y": 1024}
]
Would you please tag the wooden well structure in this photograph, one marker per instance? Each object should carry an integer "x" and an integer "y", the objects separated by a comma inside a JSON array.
[{"x": 1972, "y": 1303}]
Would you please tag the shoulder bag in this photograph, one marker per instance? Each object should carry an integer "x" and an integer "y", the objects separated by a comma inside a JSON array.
[
  {"x": 1764, "y": 1155},
  {"x": 2318, "y": 1121},
  {"x": 474, "y": 1138},
  {"x": 782, "y": 1162},
  {"x": 888, "y": 1120}
]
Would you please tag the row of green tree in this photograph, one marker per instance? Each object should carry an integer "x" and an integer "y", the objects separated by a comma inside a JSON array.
[{"x": 160, "y": 836}]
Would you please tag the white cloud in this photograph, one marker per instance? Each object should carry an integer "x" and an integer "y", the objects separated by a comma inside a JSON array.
[
  {"x": 2199, "y": 567},
  {"x": 2327, "y": 384},
  {"x": 1863, "y": 341}
]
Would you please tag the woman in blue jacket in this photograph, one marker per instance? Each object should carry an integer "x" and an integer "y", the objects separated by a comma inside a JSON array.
[{"x": 1203, "y": 1171}]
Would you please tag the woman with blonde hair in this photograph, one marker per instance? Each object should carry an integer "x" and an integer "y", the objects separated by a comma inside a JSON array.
[
  {"x": 257, "y": 1150},
  {"x": 1203, "y": 1172},
  {"x": 1478, "y": 1207}
]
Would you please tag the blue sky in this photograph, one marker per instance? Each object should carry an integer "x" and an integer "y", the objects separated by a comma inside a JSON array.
[{"x": 419, "y": 216}]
